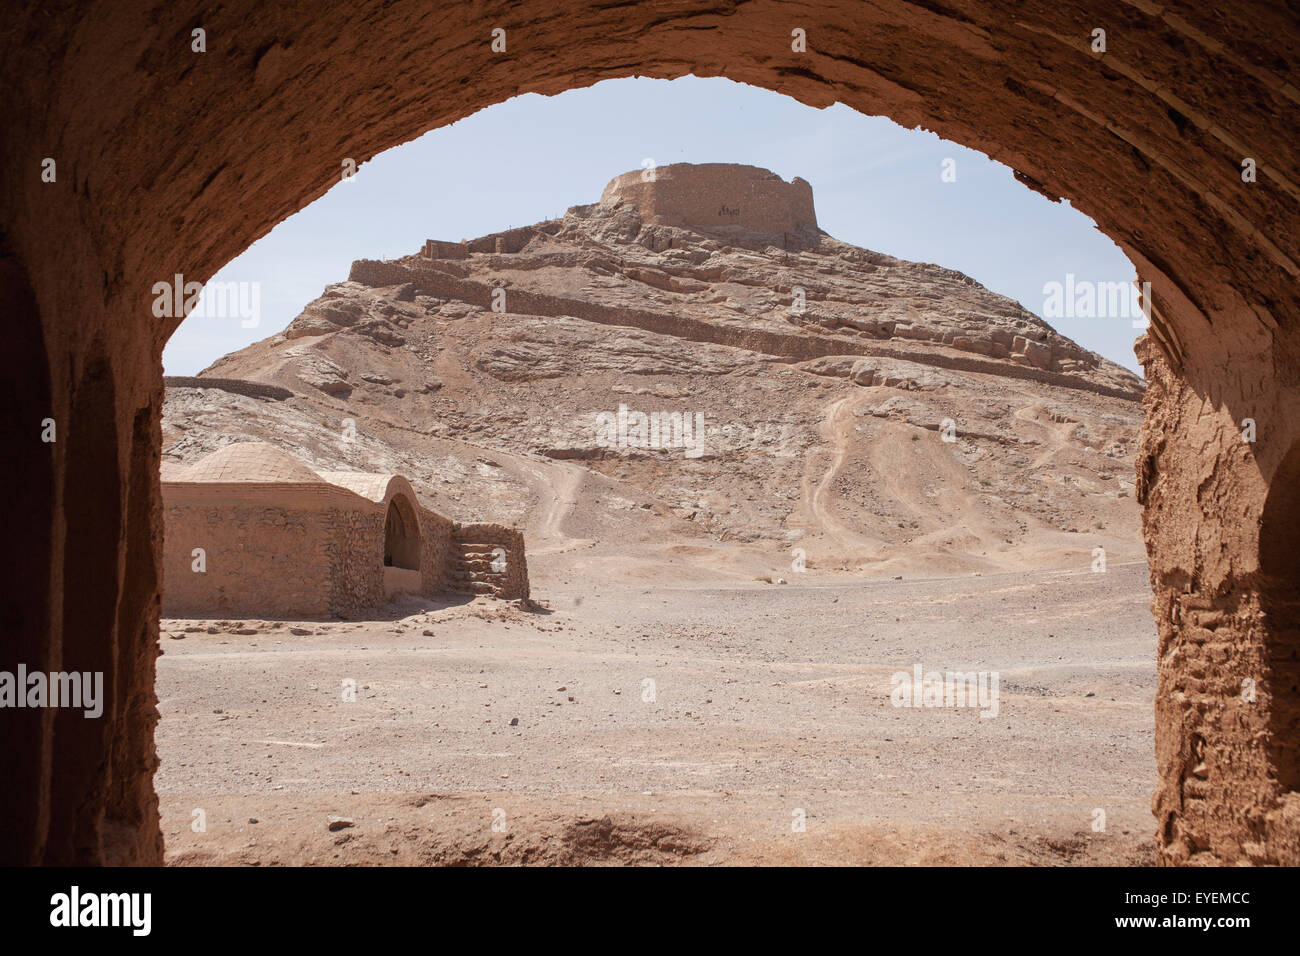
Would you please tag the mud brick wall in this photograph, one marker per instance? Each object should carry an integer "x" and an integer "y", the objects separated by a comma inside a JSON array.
[
  {"x": 261, "y": 561},
  {"x": 713, "y": 195},
  {"x": 510, "y": 241},
  {"x": 438, "y": 249},
  {"x": 317, "y": 552},
  {"x": 1160, "y": 123},
  {"x": 1225, "y": 602},
  {"x": 515, "y": 584},
  {"x": 237, "y": 386},
  {"x": 435, "y": 551},
  {"x": 354, "y": 543}
]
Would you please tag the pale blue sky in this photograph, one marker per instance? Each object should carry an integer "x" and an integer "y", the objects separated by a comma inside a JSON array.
[{"x": 876, "y": 185}]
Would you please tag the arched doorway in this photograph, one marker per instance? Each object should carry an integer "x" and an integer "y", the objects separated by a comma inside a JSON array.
[
  {"x": 401, "y": 535},
  {"x": 1177, "y": 134}
]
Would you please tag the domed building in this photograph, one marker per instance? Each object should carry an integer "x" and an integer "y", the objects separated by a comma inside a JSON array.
[{"x": 251, "y": 531}]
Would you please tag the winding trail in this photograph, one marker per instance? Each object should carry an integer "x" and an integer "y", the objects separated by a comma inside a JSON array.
[
  {"x": 816, "y": 511},
  {"x": 1058, "y": 433},
  {"x": 565, "y": 492}
]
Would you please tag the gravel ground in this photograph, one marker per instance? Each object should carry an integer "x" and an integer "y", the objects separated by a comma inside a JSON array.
[{"x": 770, "y": 709}]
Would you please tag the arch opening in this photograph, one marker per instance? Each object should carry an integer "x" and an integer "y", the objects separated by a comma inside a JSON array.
[
  {"x": 721, "y": 405},
  {"x": 401, "y": 535}
]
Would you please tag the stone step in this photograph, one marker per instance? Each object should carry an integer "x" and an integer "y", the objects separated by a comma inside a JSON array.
[
  {"x": 486, "y": 578},
  {"x": 477, "y": 587},
  {"x": 481, "y": 564},
  {"x": 484, "y": 574}
]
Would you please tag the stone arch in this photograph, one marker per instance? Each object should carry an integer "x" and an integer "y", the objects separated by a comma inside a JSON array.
[
  {"x": 401, "y": 534},
  {"x": 172, "y": 162}
]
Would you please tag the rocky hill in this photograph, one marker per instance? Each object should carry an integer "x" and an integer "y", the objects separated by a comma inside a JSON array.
[{"x": 691, "y": 369}]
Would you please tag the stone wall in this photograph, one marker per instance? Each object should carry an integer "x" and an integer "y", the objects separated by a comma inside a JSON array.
[
  {"x": 261, "y": 561},
  {"x": 712, "y": 196},
  {"x": 355, "y": 544},
  {"x": 515, "y": 578},
  {"x": 435, "y": 550}
]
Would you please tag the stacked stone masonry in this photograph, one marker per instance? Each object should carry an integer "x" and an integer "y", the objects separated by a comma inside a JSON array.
[{"x": 489, "y": 559}]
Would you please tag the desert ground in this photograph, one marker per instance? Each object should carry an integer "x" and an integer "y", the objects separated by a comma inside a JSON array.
[{"x": 771, "y": 704}]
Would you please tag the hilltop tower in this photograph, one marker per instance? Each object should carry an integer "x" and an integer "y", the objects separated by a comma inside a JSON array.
[{"x": 716, "y": 196}]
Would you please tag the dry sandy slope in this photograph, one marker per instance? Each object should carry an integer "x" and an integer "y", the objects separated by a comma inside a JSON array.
[{"x": 857, "y": 477}]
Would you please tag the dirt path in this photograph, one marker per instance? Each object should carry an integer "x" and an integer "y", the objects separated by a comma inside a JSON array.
[
  {"x": 1058, "y": 437},
  {"x": 816, "y": 511},
  {"x": 564, "y": 498}
]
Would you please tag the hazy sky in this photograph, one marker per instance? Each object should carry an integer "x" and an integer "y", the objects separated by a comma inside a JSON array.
[{"x": 875, "y": 185}]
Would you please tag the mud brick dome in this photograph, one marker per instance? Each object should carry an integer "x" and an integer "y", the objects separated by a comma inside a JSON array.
[
  {"x": 244, "y": 461},
  {"x": 711, "y": 196}
]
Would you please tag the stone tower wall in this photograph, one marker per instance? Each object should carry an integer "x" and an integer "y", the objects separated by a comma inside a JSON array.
[{"x": 711, "y": 196}]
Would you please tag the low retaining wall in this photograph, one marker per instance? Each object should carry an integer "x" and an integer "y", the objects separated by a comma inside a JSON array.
[{"x": 237, "y": 386}]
